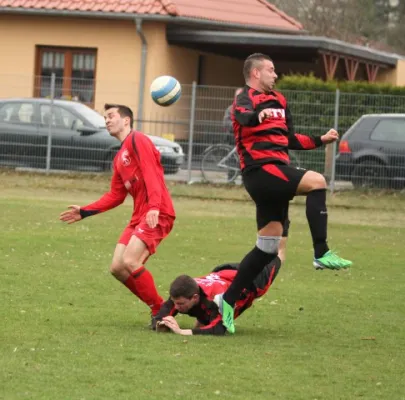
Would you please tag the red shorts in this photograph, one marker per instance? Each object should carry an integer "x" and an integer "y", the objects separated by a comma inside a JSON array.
[{"x": 150, "y": 236}]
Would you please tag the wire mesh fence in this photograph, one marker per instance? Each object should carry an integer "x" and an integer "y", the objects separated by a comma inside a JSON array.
[{"x": 57, "y": 124}]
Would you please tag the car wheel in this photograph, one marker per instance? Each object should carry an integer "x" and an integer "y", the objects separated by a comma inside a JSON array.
[
  {"x": 170, "y": 170},
  {"x": 369, "y": 174}
]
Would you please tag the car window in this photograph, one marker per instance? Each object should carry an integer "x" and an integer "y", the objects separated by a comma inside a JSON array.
[
  {"x": 88, "y": 113},
  {"x": 390, "y": 130},
  {"x": 17, "y": 113},
  {"x": 61, "y": 118}
]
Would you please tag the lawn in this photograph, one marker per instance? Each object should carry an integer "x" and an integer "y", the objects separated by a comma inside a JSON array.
[{"x": 70, "y": 331}]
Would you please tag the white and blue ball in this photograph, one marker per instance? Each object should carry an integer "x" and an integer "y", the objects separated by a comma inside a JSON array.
[{"x": 165, "y": 90}]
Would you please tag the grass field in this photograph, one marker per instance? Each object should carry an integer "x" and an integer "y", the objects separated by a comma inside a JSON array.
[{"x": 70, "y": 331}]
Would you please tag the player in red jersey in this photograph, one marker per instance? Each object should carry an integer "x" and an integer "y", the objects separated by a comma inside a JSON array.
[
  {"x": 136, "y": 171},
  {"x": 196, "y": 297}
]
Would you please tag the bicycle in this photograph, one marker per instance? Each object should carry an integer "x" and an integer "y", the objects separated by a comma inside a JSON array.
[{"x": 220, "y": 163}]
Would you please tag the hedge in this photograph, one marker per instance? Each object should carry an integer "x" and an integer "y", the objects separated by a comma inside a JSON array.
[
  {"x": 310, "y": 82},
  {"x": 313, "y": 101}
]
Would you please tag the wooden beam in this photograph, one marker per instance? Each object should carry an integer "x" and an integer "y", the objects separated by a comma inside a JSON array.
[
  {"x": 372, "y": 71},
  {"x": 330, "y": 62},
  {"x": 351, "y": 68}
]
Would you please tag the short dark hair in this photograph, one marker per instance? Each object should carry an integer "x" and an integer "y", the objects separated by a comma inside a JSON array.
[
  {"x": 183, "y": 286},
  {"x": 124, "y": 111},
  {"x": 251, "y": 62}
]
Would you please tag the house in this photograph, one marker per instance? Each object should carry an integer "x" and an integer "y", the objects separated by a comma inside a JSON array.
[{"x": 105, "y": 50}]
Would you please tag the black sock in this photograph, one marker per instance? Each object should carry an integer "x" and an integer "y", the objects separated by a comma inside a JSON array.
[
  {"x": 253, "y": 263},
  {"x": 317, "y": 216}
]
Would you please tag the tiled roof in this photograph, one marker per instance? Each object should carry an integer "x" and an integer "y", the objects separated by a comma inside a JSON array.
[
  {"x": 246, "y": 12},
  {"x": 160, "y": 7}
]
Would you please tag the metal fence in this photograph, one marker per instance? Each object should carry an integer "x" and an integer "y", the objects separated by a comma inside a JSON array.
[{"x": 49, "y": 136}]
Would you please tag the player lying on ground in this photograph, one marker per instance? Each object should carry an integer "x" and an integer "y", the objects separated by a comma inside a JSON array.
[{"x": 196, "y": 296}]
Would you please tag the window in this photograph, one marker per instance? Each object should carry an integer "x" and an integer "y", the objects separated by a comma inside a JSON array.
[
  {"x": 389, "y": 130},
  {"x": 74, "y": 69},
  {"x": 61, "y": 118},
  {"x": 17, "y": 113},
  {"x": 93, "y": 117}
]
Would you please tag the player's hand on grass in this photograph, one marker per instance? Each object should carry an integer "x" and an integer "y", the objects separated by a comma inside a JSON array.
[
  {"x": 72, "y": 215},
  {"x": 152, "y": 218},
  {"x": 161, "y": 327},
  {"x": 172, "y": 324},
  {"x": 330, "y": 137}
]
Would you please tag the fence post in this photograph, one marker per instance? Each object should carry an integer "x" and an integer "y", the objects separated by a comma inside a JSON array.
[
  {"x": 334, "y": 144},
  {"x": 49, "y": 143},
  {"x": 191, "y": 130}
]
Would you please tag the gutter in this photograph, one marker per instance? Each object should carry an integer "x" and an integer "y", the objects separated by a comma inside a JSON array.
[
  {"x": 146, "y": 17},
  {"x": 142, "y": 76}
]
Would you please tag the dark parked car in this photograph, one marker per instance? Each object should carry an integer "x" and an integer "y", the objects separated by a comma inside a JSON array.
[
  {"x": 79, "y": 139},
  {"x": 372, "y": 152}
]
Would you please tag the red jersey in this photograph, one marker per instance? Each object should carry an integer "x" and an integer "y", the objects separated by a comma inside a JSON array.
[
  {"x": 268, "y": 141},
  {"x": 136, "y": 171}
]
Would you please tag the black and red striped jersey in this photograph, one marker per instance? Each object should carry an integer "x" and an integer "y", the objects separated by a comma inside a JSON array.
[
  {"x": 217, "y": 282},
  {"x": 206, "y": 312},
  {"x": 266, "y": 142}
]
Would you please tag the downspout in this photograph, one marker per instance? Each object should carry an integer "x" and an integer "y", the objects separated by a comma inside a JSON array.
[{"x": 144, "y": 54}]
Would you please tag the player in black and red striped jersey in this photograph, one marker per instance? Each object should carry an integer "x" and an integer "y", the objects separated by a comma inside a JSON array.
[
  {"x": 264, "y": 132},
  {"x": 197, "y": 297}
]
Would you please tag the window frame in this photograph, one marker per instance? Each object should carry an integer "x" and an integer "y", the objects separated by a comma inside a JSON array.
[{"x": 67, "y": 70}]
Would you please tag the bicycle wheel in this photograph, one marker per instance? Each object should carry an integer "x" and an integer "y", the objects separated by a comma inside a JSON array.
[{"x": 219, "y": 166}]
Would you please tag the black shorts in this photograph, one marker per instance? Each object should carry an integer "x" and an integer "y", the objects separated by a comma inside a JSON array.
[{"x": 271, "y": 187}]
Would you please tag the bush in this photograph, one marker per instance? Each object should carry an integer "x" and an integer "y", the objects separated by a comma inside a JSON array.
[
  {"x": 313, "y": 102},
  {"x": 313, "y": 84}
]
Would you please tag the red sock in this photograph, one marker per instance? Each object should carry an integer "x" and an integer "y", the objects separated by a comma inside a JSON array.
[{"x": 141, "y": 284}]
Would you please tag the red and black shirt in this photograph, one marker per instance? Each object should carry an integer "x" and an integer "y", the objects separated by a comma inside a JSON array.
[
  {"x": 206, "y": 311},
  {"x": 266, "y": 142}
]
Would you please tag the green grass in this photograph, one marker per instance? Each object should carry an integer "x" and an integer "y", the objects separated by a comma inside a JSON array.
[{"x": 70, "y": 331}]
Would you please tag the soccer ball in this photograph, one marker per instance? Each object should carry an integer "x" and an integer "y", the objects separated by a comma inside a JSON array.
[{"x": 165, "y": 90}]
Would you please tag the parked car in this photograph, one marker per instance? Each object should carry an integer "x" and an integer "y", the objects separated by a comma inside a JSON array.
[
  {"x": 372, "y": 152},
  {"x": 79, "y": 139}
]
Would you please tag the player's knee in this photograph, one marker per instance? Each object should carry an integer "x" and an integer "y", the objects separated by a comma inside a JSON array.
[
  {"x": 131, "y": 262},
  {"x": 116, "y": 269},
  {"x": 268, "y": 244},
  {"x": 318, "y": 181}
]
